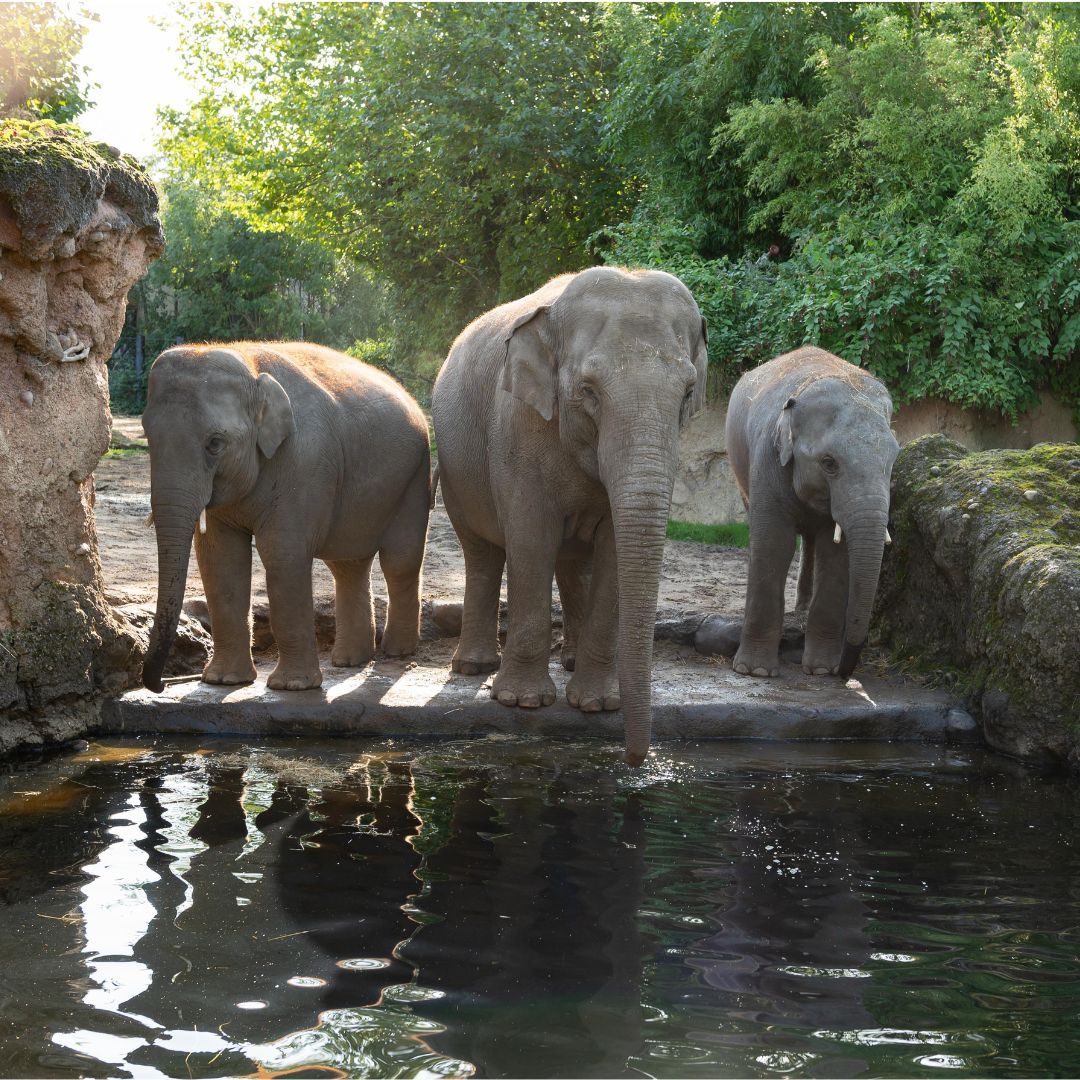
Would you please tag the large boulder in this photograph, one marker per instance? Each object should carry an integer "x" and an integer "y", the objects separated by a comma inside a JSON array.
[
  {"x": 78, "y": 227},
  {"x": 982, "y": 585}
]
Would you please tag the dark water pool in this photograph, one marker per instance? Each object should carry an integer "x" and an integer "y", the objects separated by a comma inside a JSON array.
[{"x": 531, "y": 909}]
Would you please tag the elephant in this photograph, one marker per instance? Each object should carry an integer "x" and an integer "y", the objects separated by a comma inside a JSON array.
[
  {"x": 812, "y": 450},
  {"x": 315, "y": 455},
  {"x": 557, "y": 419}
]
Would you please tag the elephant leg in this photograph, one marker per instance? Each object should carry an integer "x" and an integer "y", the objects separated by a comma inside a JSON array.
[
  {"x": 224, "y": 556},
  {"x": 478, "y": 645},
  {"x": 292, "y": 618},
  {"x": 806, "y": 575},
  {"x": 531, "y": 550},
  {"x": 595, "y": 682},
  {"x": 401, "y": 556},
  {"x": 572, "y": 576},
  {"x": 825, "y": 622},
  {"x": 354, "y": 620},
  {"x": 772, "y": 545}
]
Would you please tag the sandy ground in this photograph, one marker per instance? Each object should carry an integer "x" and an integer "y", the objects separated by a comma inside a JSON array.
[{"x": 696, "y": 577}]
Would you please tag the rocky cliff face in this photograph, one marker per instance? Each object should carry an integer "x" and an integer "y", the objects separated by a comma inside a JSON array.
[
  {"x": 983, "y": 582},
  {"x": 78, "y": 227}
]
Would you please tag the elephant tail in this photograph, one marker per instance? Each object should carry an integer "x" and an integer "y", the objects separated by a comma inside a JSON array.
[{"x": 434, "y": 485}]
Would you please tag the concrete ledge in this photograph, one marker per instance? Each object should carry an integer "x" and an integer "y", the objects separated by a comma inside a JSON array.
[{"x": 693, "y": 698}]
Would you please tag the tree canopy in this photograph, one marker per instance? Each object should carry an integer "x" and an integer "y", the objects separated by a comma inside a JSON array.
[
  {"x": 38, "y": 73},
  {"x": 895, "y": 182}
]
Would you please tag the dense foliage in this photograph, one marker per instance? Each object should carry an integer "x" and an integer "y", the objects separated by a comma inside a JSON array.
[
  {"x": 38, "y": 74},
  {"x": 453, "y": 150},
  {"x": 222, "y": 279},
  {"x": 921, "y": 186},
  {"x": 897, "y": 183}
]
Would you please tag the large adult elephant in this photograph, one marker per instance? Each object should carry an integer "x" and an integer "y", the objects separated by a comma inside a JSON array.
[
  {"x": 810, "y": 443},
  {"x": 315, "y": 455},
  {"x": 557, "y": 419}
]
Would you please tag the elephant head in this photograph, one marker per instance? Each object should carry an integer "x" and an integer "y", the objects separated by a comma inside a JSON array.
[
  {"x": 211, "y": 422},
  {"x": 619, "y": 359},
  {"x": 836, "y": 433}
]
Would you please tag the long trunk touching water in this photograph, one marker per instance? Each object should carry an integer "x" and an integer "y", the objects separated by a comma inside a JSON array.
[
  {"x": 175, "y": 523},
  {"x": 639, "y": 490},
  {"x": 865, "y": 534}
]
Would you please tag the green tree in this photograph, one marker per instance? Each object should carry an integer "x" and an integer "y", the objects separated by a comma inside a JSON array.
[
  {"x": 38, "y": 74},
  {"x": 221, "y": 279},
  {"x": 926, "y": 185},
  {"x": 453, "y": 149},
  {"x": 682, "y": 69}
]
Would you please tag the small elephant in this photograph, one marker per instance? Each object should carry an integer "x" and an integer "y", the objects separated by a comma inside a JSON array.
[
  {"x": 810, "y": 443},
  {"x": 557, "y": 418},
  {"x": 315, "y": 455}
]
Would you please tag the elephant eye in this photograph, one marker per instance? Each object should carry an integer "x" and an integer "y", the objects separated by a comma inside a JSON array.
[
  {"x": 829, "y": 464},
  {"x": 215, "y": 444},
  {"x": 588, "y": 396}
]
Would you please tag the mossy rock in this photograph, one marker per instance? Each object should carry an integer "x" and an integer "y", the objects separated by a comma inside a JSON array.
[
  {"x": 70, "y": 645},
  {"x": 53, "y": 179},
  {"x": 983, "y": 581}
]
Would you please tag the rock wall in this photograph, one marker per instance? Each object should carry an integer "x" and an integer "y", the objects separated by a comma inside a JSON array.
[
  {"x": 78, "y": 227},
  {"x": 705, "y": 488},
  {"x": 982, "y": 586}
]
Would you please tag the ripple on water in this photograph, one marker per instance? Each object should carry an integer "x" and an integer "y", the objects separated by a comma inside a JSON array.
[{"x": 524, "y": 907}]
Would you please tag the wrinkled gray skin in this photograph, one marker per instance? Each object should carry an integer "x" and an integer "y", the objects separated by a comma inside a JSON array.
[
  {"x": 809, "y": 440},
  {"x": 557, "y": 419},
  {"x": 315, "y": 455}
]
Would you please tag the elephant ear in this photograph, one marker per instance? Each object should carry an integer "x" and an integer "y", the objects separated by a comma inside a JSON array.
[
  {"x": 274, "y": 414},
  {"x": 785, "y": 443},
  {"x": 529, "y": 369}
]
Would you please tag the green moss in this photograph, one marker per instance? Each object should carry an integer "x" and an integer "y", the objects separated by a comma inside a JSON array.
[{"x": 54, "y": 177}]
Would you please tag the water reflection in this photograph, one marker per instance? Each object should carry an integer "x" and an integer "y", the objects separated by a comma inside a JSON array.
[{"x": 524, "y": 908}]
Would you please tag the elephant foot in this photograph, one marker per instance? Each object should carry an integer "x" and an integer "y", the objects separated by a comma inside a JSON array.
[
  {"x": 821, "y": 660},
  {"x": 285, "y": 677},
  {"x": 596, "y": 691},
  {"x": 399, "y": 642},
  {"x": 468, "y": 661},
  {"x": 229, "y": 673},
  {"x": 763, "y": 665},
  {"x": 360, "y": 656},
  {"x": 519, "y": 686}
]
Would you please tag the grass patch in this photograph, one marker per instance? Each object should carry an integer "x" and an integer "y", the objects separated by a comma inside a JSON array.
[
  {"x": 733, "y": 534},
  {"x": 125, "y": 451}
]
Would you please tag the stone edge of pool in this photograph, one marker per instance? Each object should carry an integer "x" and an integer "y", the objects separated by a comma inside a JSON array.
[{"x": 697, "y": 701}]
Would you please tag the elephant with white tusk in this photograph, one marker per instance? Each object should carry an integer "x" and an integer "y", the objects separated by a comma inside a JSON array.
[
  {"x": 557, "y": 419},
  {"x": 315, "y": 455},
  {"x": 810, "y": 443}
]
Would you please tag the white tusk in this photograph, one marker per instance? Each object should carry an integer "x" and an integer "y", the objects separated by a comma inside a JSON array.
[
  {"x": 836, "y": 534},
  {"x": 888, "y": 538},
  {"x": 202, "y": 523}
]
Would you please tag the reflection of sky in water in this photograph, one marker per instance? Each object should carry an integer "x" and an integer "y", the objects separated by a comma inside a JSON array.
[{"x": 117, "y": 915}]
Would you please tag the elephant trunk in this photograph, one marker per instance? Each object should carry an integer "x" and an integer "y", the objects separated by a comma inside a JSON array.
[
  {"x": 640, "y": 495},
  {"x": 174, "y": 521},
  {"x": 865, "y": 534}
]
